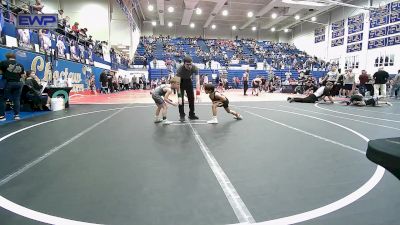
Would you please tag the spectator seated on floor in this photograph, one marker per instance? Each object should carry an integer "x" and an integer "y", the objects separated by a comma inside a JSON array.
[{"x": 34, "y": 92}]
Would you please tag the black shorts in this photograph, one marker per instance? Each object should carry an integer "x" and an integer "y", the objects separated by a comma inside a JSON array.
[
  {"x": 348, "y": 87},
  {"x": 225, "y": 104},
  {"x": 158, "y": 99}
]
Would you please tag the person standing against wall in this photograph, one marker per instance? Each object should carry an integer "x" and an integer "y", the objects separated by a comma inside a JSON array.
[
  {"x": 186, "y": 72},
  {"x": 11, "y": 71}
]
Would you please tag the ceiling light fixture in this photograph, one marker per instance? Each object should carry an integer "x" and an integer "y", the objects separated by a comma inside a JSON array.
[
  {"x": 198, "y": 11},
  {"x": 313, "y": 18},
  {"x": 150, "y": 7},
  {"x": 225, "y": 12},
  {"x": 286, "y": 30},
  {"x": 170, "y": 24},
  {"x": 309, "y": 3},
  {"x": 250, "y": 14},
  {"x": 192, "y": 25},
  {"x": 171, "y": 9},
  {"x": 273, "y": 29},
  {"x": 274, "y": 15},
  {"x": 213, "y": 26},
  {"x": 254, "y": 28},
  {"x": 233, "y": 27},
  {"x": 297, "y": 17},
  {"x": 154, "y": 23}
]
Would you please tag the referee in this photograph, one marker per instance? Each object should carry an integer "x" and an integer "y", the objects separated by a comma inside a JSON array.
[{"x": 186, "y": 72}]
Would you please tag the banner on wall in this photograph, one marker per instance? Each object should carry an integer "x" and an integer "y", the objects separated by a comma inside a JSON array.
[
  {"x": 78, "y": 74},
  {"x": 395, "y": 12},
  {"x": 355, "y": 23},
  {"x": 319, "y": 31},
  {"x": 377, "y": 43},
  {"x": 355, "y": 38},
  {"x": 354, "y": 47},
  {"x": 379, "y": 17},
  {"x": 319, "y": 39},
  {"x": 393, "y": 40},
  {"x": 338, "y": 33},
  {"x": 339, "y": 25},
  {"x": 337, "y": 42}
]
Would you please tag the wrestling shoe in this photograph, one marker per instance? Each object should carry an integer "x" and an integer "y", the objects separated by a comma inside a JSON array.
[
  {"x": 157, "y": 120},
  {"x": 166, "y": 122},
  {"x": 239, "y": 117},
  {"x": 2, "y": 118},
  {"x": 214, "y": 120}
]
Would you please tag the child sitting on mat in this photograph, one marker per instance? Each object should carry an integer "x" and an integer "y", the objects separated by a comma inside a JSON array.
[
  {"x": 157, "y": 94},
  {"x": 218, "y": 100}
]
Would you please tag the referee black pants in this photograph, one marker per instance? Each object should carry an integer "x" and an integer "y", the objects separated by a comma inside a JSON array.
[
  {"x": 245, "y": 86},
  {"x": 309, "y": 99},
  {"x": 187, "y": 85}
]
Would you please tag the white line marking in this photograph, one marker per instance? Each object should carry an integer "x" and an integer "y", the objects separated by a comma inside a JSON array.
[
  {"x": 237, "y": 204},
  {"x": 366, "y": 110},
  {"x": 38, "y": 216},
  {"x": 361, "y": 121},
  {"x": 313, "y": 117},
  {"x": 307, "y": 133},
  {"x": 341, "y": 203},
  {"x": 52, "y": 151},
  {"x": 368, "y": 117},
  {"x": 34, "y": 215},
  {"x": 185, "y": 124}
]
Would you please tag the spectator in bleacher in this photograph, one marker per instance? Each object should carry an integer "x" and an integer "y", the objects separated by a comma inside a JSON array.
[
  {"x": 186, "y": 73},
  {"x": 37, "y": 7},
  {"x": 61, "y": 16},
  {"x": 154, "y": 63},
  {"x": 60, "y": 46},
  {"x": 83, "y": 33},
  {"x": 75, "y": 28},
  {"x": 144, "y": 62},
  {"x": 11, "y": 71}
]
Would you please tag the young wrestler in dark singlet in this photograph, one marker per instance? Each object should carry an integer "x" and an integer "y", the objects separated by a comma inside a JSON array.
[{"x": 218, "y": 100}]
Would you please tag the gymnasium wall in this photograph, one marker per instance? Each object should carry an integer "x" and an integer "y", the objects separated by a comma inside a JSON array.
[
  {"x": 304, "y": 39},
  {"x": 104, "y": 19},
  {"x": 221, "y": 32}
]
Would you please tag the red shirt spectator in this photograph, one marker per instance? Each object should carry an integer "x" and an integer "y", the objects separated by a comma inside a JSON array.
[
  {"x": 75, "y": 27},
  {"x": 364, "y": 78}
]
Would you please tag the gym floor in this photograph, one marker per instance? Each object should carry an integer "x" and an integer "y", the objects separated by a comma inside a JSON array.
[{"x": 282, "y": 164}]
